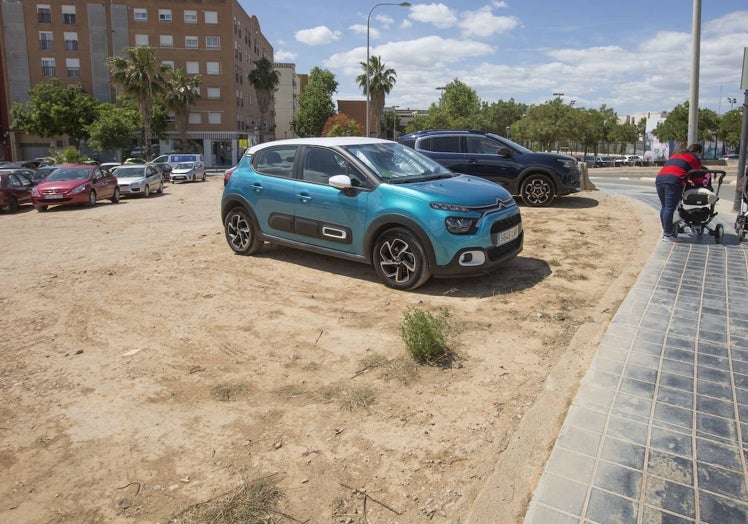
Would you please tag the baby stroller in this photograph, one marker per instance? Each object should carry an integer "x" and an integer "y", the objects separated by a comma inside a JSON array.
[
  {"x": 696, "y": 207},
  {"x": 741, "y": 222}
]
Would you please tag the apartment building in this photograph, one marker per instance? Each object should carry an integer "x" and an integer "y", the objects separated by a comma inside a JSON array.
[
  {"x": 72, "y": 40},
  {"x": 286, "y": 99}
]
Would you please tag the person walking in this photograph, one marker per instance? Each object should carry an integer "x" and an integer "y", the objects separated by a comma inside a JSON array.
[{"x": 670, "y": 182}]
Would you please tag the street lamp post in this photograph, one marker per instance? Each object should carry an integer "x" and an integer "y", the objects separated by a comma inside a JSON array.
[
  {"x": 394, "y": 122},
  {"x": 367, "y": 70}
]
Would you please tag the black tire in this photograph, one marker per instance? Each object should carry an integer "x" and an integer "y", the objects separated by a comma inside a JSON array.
[
  {"x": 203, "y": 179},
  {"x": 241, "y": 232},
  {"x": 160, "y": 189},
  {"x": 12, "y": 205},
  {"x": 115, "y": 196},
  {"x": 719, "y": 233},
  {"x": 147, "y": 191},
  {"x": 92, "y": 198},
  {"x": 537, "y": 191},
  {"x": 400, "y": 260}
]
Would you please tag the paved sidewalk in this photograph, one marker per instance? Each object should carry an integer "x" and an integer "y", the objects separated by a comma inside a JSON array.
[{"x": 658, "y": 431}]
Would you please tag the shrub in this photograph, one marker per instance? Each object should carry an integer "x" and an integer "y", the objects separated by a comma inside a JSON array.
[{"x": 424, "y": 337}]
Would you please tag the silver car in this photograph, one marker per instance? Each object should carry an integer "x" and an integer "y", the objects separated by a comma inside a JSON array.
[
  {"x": 139, "y": 179},
  {"x": 187, "y": 171}
]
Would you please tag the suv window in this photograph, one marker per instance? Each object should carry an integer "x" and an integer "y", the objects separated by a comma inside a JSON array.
[
  {"x": 275, "y": 161},
  {"x": 482, "y": 145},
  {"x": 444, "y": 144}
]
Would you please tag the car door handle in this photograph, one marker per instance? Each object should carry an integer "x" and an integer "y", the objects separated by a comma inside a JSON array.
[
  {"x": 305, "y": 197},
  {"x": 257, "y": 188}
]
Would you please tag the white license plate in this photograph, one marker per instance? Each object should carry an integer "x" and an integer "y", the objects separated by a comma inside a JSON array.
[
  {"x": 54, "y": 197},
  {"x": 507, "y": 236}
]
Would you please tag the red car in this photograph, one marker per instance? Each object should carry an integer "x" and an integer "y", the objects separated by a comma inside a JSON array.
[
  {"x": 15, "y": 189},
  {"x": 75, "y": 184}
]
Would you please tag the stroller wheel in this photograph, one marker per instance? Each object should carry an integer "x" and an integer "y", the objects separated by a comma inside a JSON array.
[
  {"x": 740, "y": 228},
  {"x": 719, "y": 233}
]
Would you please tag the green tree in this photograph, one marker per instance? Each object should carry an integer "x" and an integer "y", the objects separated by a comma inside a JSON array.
[
  {"x": 315, "y": 103},
  {"x": 141, "y": 76},
  {"x": 460, "y": 104},
  {"x": 498, "y": 117},
  {"x": 265, "y": 80},
  {"x": 381, "y": 81},
  {"x": 730, "y": 127},
  {"x": 341, "y": 125},
  {"x": 546, "y": 124},
  {"x": 182, "y": 92},
  {"x": 56, "y": 108},
  {"x": 114, "y": 127},
  {"x": 675, "y": 126}
]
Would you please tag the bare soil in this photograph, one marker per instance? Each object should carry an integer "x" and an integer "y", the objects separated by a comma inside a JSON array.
[{"x": 145, "y": 368}]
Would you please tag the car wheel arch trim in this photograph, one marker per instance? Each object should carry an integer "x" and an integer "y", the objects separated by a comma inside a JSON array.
[{"x": 386, "y": 222}]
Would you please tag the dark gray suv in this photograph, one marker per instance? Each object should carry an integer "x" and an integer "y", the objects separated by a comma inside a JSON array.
[{"x": 536, "y": 178}]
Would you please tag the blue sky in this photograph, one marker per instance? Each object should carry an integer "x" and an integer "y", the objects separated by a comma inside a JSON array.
[{"x": 632, "y": 56}]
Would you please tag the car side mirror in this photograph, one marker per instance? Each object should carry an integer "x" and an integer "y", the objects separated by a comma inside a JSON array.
[
  {"x": 342, "y": 182},
  {"x": 504, "y": 151}
]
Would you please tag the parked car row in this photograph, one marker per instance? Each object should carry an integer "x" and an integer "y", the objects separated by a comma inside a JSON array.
[{"x": 81, "y": 183}]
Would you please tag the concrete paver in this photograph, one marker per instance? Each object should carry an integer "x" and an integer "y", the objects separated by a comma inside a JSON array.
[{"x": 658, "y": 431}]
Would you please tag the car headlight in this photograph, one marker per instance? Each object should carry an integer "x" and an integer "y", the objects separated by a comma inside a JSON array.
[
  {"x": 459, "y": 225},
  {"x": 79, "y": 189},
  {"x": 35, "y": 192},
  {"x": 567, "y": 163},
  {"x": 449, "y": 207}
]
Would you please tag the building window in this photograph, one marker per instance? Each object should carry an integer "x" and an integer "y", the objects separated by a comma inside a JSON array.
[
  {"x": 190, "y": 42},
  {"x": 190, "y": 17},
  {"x": 195, "y": 118},
  {"x": 212, "y": 42},
  {"x": 168, "y": 63},
  {"x": 211, "y": 17},
  {"x": 171, "y": 117},
  {"x": 141, "y": 40},
  {"x": 166, "y": 41},
  {"x": 213, "y": 68},
  {"x": 48, "y": 67},
  {"x": 73, "y": 67},
  {"x": 193, "y": 68},
  {"x": 71, "y": 41},
  {"x": 44, "y": 14},
  {"x": 46, "y": 41},
  {"x": 68, "y": 14},
  {"x": 164, "y": 15},
  {"x": 140, "y": 15},
  {"x": 214, "y": 118},
  {"x": 214, "y": 93}
]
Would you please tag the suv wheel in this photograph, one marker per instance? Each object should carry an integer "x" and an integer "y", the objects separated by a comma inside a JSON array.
[
  {"x": 241, "y": 233},
  {"x": 537, "y": 191},
  {"x": 400, "y": 260}
]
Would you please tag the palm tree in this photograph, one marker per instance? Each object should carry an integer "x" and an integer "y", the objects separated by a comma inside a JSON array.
[
  {"x": 182, "y": 93},
  {"x": 140, "y": 75},
  {"x": 265, "y": 80},
  {"x": 381, "y": 82}
]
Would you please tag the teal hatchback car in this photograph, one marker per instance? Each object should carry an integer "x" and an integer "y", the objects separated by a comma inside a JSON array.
[{"x": 372, "y": 201}]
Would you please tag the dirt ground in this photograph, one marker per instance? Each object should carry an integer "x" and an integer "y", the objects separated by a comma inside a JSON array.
[{"x": 145, "y": 368}]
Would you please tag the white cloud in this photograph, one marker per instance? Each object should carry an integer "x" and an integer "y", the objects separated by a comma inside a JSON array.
[
  {"x": 483, "y": 23},
  {"x": 438, "y": 15},
  {"x": 319, "y": 35},
  {"x": 284, "y": 56}
]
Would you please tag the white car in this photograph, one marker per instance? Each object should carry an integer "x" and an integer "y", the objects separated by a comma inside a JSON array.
[
  {"x": 138, "y": 179},
  {"x": 187, "y": 171}
]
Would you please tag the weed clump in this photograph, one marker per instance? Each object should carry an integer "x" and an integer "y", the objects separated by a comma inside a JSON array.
[{"x": 424, "y": 336}]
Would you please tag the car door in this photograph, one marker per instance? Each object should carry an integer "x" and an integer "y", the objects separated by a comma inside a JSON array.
[
  {"x": 325, "y": 216},
  {"x": 104, "y": 183},
  {"x": 269, "y": 189},
  {"x": 20, "y": 186},
  {"x": 489, "y": 159}
]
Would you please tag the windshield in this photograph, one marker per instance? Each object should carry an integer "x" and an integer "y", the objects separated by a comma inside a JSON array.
[
  {"x": 393, "y": 162},
  {"x": 70, "y": 173},
  {"x": 123, "y": 171},
  {"x": 184, "y": 165}
]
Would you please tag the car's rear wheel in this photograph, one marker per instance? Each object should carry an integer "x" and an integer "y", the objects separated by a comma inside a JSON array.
[
  {"x": 115, "y": 196},
  {"x": 400, "y": 260},
  {"x": 12, "y": 205},
  {"x": 92, "y": 198},
  {"x": 537, "y": 191},
  {"x": 241, "y": 232},
  {"x": 203, "y": 179},
  {"x": 160, "y": 189}
]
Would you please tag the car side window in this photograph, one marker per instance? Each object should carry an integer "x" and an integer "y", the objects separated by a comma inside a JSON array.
[
  {"x": 445, "y": 144},
  {"x": 320, "y": 164},
  {"x": 275, "y": 161},
  {"x": 481, "y": 145}
]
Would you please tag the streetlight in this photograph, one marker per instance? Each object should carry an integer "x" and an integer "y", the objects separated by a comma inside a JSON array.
[
  {"x": 731, "y": 101},
  {"x": 394, "y": 122},
  {"x": 367, "y": 71}
]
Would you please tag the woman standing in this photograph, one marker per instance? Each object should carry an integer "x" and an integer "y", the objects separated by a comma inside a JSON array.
[{"x": 670, "y": 182}]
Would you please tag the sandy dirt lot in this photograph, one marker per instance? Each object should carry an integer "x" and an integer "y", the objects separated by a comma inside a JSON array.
[{"x": 145, "y": 368}]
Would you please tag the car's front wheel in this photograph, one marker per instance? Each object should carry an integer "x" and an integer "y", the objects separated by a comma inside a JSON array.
[
  {"x": 115, "y": 196},
  {"x": 537, "y": 191},
  {"x": 147, "y": 191},
  {"x": 400, "y": 260},
  {"x": 241, "y": 232},
  {"x": 92, "y": 198}
]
